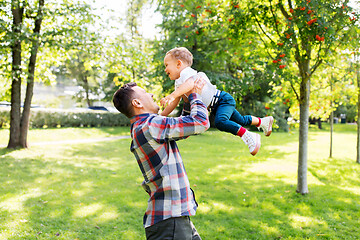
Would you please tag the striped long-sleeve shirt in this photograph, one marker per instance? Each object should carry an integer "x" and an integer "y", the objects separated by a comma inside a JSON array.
[{"x": 154, "y": 146}]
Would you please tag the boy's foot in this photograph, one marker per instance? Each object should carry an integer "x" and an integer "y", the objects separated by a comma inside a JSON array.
[
  {"x": 266, "y": 125},
  {"x": 253, "y": 141}
]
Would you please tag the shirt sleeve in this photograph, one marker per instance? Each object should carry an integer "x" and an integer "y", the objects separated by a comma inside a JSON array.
[{"x": 164, "y": 129}]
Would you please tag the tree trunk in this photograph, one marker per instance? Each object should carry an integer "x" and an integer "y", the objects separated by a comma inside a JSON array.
[
  {"x": 331, "y": 131},
  {"x": 17, "y": 12},
  {"x": 24, "y": 125},
  {"x": 303, "y": 136},
  {"x": 87, "y": 90},
  {"x": 331, "y": 120},
  {"x": 358, "y": 115},
  {"x": 319, "y": 123}
]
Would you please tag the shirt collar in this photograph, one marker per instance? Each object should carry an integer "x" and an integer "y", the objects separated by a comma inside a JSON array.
[
  {"x": 139, "y": 117},
  {"x": 186, "y": 73}
]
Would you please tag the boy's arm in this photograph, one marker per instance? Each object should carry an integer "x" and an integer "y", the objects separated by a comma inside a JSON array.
[
  {"x": 184, "y": 88},
  {"x": 164, "y": 129},
  {"x": 170, "y": 107}
]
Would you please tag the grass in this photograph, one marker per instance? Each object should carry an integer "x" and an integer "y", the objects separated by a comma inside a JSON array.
[
  {"x": 92, "y": 191},
  {"x": 58, "y": 134}
]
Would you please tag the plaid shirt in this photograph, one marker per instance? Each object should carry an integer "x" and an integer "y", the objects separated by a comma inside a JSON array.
[{"x": 154, "y": 146}]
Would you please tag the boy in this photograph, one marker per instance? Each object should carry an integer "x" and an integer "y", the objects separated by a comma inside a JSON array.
[{"x": 178, "y": 63}]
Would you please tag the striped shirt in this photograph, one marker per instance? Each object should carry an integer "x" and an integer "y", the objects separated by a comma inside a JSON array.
[{"x": 154, "y": 146}]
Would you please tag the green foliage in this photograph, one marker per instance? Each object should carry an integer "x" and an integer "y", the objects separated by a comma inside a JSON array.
[
  {"x": 127, "y": 60},
  {"x": 43, "y": 118},
  {"x": 60, "y": 30}
]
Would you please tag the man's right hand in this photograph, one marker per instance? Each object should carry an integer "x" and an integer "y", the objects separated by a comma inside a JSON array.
[{"x": 198, "y": 85}]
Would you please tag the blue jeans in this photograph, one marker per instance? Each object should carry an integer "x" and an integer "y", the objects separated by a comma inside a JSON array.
[{"x": 227, "y": 118}]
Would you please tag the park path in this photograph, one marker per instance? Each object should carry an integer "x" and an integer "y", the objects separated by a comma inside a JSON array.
[{"x": 74, "y": 141}]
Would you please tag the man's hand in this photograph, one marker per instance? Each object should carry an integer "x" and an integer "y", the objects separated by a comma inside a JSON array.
[
  {"x": 166, "y": 100},
  {"x": 198, "y": 85}
]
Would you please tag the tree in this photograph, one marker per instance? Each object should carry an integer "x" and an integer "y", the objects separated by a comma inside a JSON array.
[
  {"x": 84, "y": 63},
  {"x": 21, "y": 23},
  {"x": 19, "y": 125},
  {"x": 302, "y": 33},
  {"x": 358, "y": 109},
  {"x": 128, "y": 55}
]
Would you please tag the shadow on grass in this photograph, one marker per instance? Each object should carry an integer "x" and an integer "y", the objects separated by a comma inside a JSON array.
[
  {"x": 338, "y": 173},
  {"x": 4, "y": 151}
]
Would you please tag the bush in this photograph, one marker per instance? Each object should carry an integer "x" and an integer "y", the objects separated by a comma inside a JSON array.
[{"x": 40, "y": 118}]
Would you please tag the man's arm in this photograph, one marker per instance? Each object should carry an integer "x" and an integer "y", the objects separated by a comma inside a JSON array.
[
  {"x": 184, "y": 88},
  {"x": 165, "y": 129}
]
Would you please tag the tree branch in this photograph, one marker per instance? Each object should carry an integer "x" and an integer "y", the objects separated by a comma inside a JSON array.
[
  {"x": 273, "y": 15},
  {"x": 259, "y": 25},
  {"x": 296, "y": 45},
  {"x": 293, "y": 88}
]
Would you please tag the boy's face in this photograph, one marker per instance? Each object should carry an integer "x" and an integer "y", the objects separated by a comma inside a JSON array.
[{"x": 173, "y": 67}]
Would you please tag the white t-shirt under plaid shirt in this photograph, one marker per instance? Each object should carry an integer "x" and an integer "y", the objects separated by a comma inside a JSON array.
[{"x": 154, "y": 146}]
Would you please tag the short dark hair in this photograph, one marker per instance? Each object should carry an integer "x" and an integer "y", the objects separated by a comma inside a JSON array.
[{"x": 122, "y": 99}]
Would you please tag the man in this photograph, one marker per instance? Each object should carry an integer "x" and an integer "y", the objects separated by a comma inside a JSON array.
[{"x": 154, "y": 146}]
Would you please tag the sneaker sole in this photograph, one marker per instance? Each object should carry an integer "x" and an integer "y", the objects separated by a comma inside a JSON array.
[
  {"x": 257, "y": 146},
  {"x": 270, "y": 127}
]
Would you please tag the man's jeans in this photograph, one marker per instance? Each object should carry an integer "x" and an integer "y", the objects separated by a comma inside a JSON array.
[{"x": 179, "y": 228}]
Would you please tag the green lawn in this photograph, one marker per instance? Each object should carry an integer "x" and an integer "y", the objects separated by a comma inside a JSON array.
[{"x": 92, "y": 191}]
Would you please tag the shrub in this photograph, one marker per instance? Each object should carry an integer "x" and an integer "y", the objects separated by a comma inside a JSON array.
[{"x": 40, "y": 118}]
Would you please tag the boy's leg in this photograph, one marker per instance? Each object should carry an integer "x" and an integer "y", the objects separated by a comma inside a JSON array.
[
  {"x": 264, "y": 123},
  {"x": 222, "y": 118},
  {"x": 224, "y": 111},
  {"x": 246, "y": 120}
]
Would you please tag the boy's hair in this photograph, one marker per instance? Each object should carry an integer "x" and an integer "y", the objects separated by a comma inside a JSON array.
[
  {"x": 122, "y": 99},
  {"x": 182, "y": 54}
]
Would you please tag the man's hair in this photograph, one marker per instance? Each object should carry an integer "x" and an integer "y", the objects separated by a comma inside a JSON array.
[
  {"x": 182, "y": 54},
  {"x": 122, "y": 99}
]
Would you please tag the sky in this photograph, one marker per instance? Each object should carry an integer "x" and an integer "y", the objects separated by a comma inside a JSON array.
[
  {"x": 118, "y": 9},
  {"x": 150, "y": 17}
]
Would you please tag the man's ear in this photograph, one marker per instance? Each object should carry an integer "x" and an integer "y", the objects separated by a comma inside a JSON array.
[{"x": 136, "y": 103}]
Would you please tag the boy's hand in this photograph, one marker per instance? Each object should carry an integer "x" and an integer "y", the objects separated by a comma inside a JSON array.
[{"x": 166, "y": 100}]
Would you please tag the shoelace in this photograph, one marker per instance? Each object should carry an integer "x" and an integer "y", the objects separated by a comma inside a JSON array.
[{"x": 249, "y": 140}]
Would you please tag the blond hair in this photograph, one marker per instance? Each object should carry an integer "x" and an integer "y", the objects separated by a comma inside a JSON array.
[{"x": 182, "y": 54}]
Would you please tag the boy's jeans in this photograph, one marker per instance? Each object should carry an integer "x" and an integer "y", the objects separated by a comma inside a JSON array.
[{"x": 227, "y": 118}]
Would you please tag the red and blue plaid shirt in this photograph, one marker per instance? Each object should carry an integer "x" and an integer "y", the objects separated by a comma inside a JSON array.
[{"x": 154, "y": 146}]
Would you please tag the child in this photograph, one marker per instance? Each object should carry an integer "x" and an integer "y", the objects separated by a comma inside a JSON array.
[{"x": 178, "y": 63}]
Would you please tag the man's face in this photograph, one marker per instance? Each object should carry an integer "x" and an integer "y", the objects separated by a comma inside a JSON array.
[
  {"x": 146, "y": 99},
  {"x": 172, "y": 67}
]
